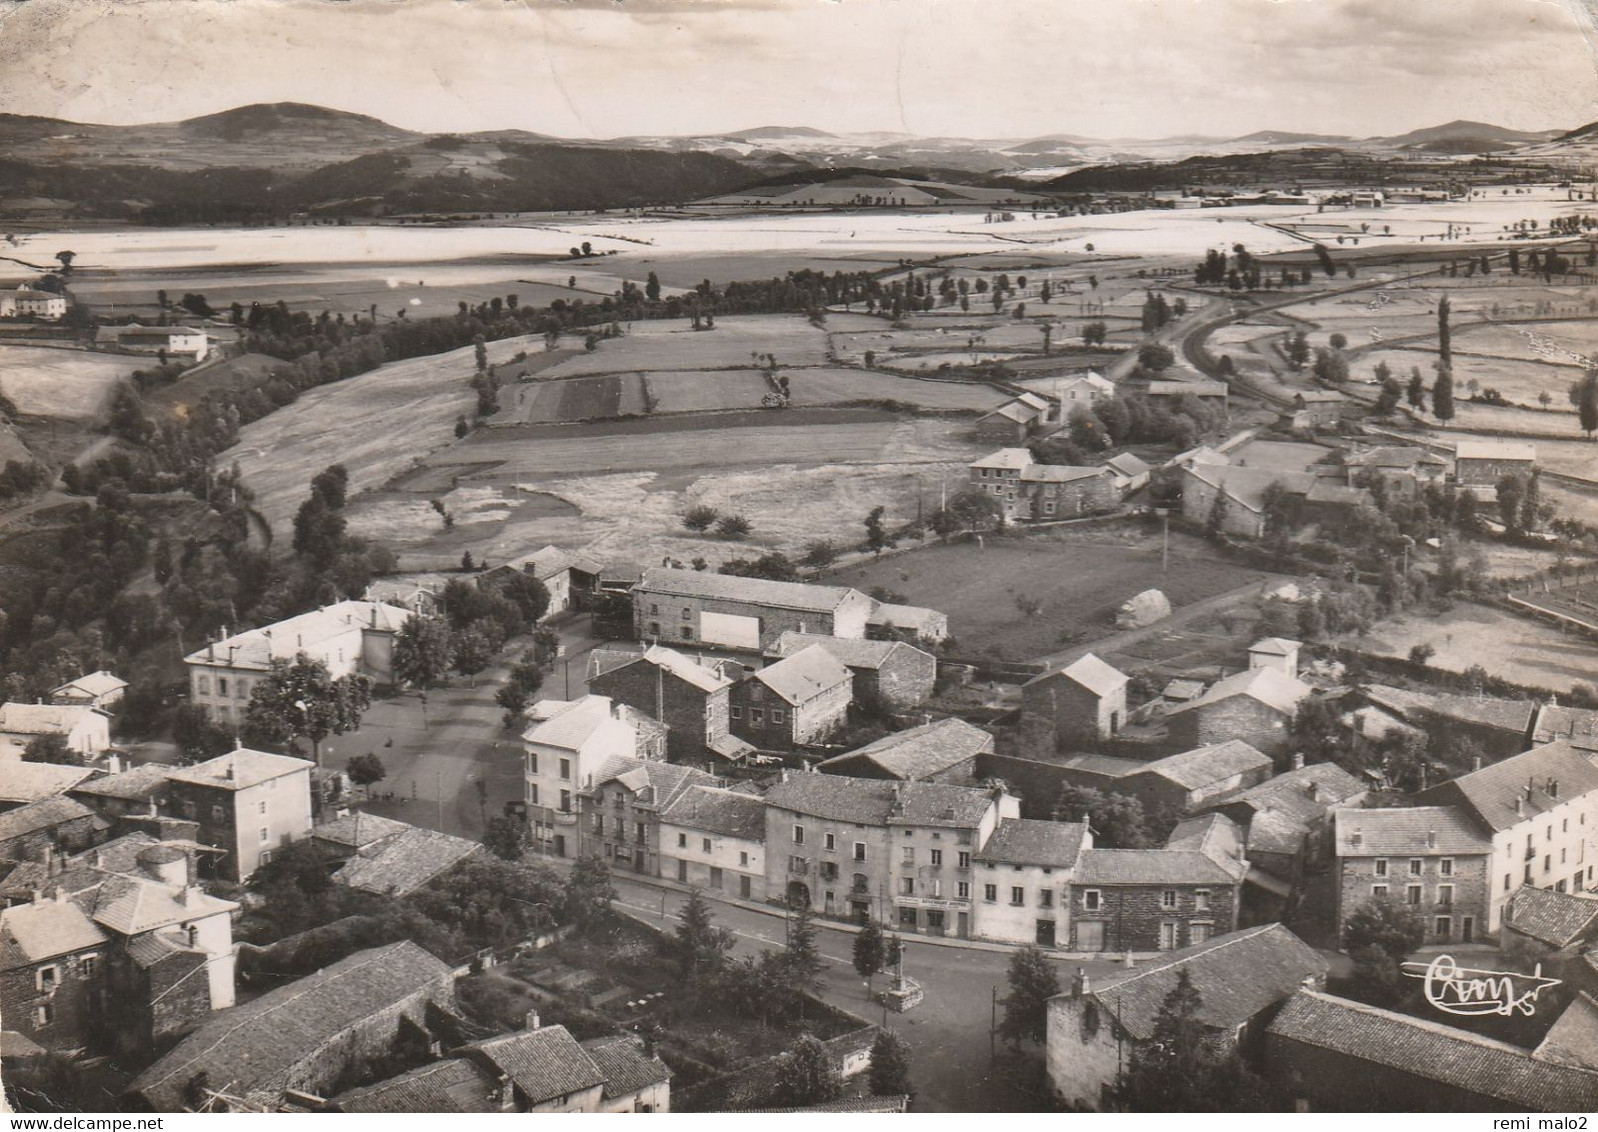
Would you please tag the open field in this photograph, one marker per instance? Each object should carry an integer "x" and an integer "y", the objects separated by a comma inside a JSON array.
[
  {"x": 68, "y": 385},
  {"x": 1519, "y": 381},
  {"x": 661, "y": 345},
  {"x": 688, "y": 391},
  {"x": 832, "y": 386},
  {"x": 186, "y": 391},
  {"x": 376, "y": 425},
  {"x": 1081, "y": 576},
  {"x": 1520, "y": 649}
]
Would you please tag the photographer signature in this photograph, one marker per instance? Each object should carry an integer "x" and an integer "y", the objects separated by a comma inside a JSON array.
[{"x": 1465, "y": 990}]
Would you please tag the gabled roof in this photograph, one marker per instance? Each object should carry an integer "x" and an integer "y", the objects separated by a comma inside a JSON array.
[
  {"x": 136, "y": 784},
  {"x": 1237, "y": 975},
  {"x": 1555, "y": 721},
  {"x": 866, "y": 801},
  {"x": 1246, "y": 486},
  {"x": 677, "y": 664},
  {"x": 1204, "y": 766},
  {"x": 405, "y": 861},
  {"x": 1269, "y": 686},
  {"x": 44, "y": 719},
  {"x": 655, "y": 783},
  {"x": 1127, "y": 464},
  {"x": 151, "y": 948},
  {"x": 568, "y": 727},
  {"x": 1394, "y": 456},
  {"x": 22, "y": 781},
  {"x": 1023, "y": 841},
  {"x": 1032, "y": 401},
  {"x": 257, "y": 1046},
  {"x": 627, "y": 1068},
  {"x": 43, "y": 814},
  {"x": 44, "y": 929},
  {"x": 1431, "y": 1051},
  {"x": 1556, "y": 918},
  {"x": 1407, "y": 831},
  {"x": 1151, "y": 866},
  {"x": 1016, "y": 410},
  {"x": 712, "y": 809},
  {"x": 919, "y": 752},
  {"x": 454, "y": 1085},
  {"x": 239, "y": 769},
  {"x": 853, "y": 651},
  {"x": 1319, "y": 396},
  {"x": 95, "y": 685},
  {"x": 1062, "y": 473},
  {"x": 1089, "y": 672},
  {"x": 1303, "y": 794},
  {"x": 916, "y": 618},
  {"x": 1013, "y": 459},
  {"x": 1337, "y": 494},
  {"x": 1495, "y": 450},
  {"x": 804, "y": 675},
  {"x": 131, "y": 905},
  {"x": 358, "y": 830},
  {"x": 1216, "y": 836},
  {"x": 544, "y": 1064},
  {"x": 256, "y": 648},
  {"x": 753, "y": 591},
  {"x": 1507, "y": 715},
  {"x": 1538, "y": 780},
  {"x": 1275, "y": 646},
  {"x": 1573, "y": 1039}
]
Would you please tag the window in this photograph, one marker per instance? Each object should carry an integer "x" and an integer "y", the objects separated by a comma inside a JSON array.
[
  {"x": 830, "y": 840},
  {"x": 202, "y": 685},
  {"x": 935, "y": 887},
  {"x": 798, "y": 835},
  {"x": 735, "y": 712},
  {"x": 1506, "y": 882},
  {"x": 687, "y": 615},
  {"x": 46, "y": 978},
  {"x": 682, "y": 841},
  {"x": 654, "y": 609},
  {"x": 776, "y": 716},
  {"x": 266, "y": 835},
  {"x": 1168, "y": 936},
  {"x": 1201, "y": 900},
  {"x": 964, "y": 859},
  {"x": 218, "y": 814},
  {"x": 565, "y": 801},
  {"x": 757, "y": 716},
  {"x": 1197, "y": 933},
  {"x": 1045, "y": 898},
  {"x": 221, "y": 685},
  {"x": 860, "y": 850},
  {"x": 743, "y": 858},
  {"x": 266, "y": 856},
  {"x": 797, "y": 864},
  {"x": 962, "y": 889},
  {"x": 937, "y": 858},
  {"x": 1414, "y": 866},
  {"x": 1168, "y": 898},
  {"x": 704, "y": 843},
  {"x": 1444, "y": 926},
  {"x": 566, "y": 769},
  {"x": 1548, "y": 863},
  {"x": 42, "y": 1015},
  {"x": 1092, "y": 900},
  {"x": 532, "y": 762},
  {"x": 533, "y": 791},
  {"x": 909, "y": 854},
  {"x": 1379, "y": 891},
  {"x": 1445, "y": 895},
  {"x": 907, "y": 885},
  {"x": 87, "y": 964},
  {"x": 1048, "y": 508},
  {"x": 687, "y": 633},
  {"x": 1017, "y": 896},
  {"x": 1445, "y": 867},
  {"x": 990, "y": 893},
  {"x": 1412, "y": 894},
  {"x": 829, "y": 870},
  {"x": 599, "y": 824},
  {"x": 1381, "y": 866}
]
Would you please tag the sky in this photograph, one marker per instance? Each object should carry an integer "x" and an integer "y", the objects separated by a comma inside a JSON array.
[{"x": 963, "y": 68}]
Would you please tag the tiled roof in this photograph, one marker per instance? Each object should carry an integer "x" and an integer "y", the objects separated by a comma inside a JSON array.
[
  {"x": 1061, "y": 473},
  {"x": 1091, "y": 673},
  {"x": 919, "y": 752},
  {"x": 686, "y": 668},
  {"x": 1216, "y": 836},
  {"x": 1276, "y": 646},
  {"x": 1393, "y": 456},
  {"x": 626, "y": 1067},
  {"x": 130, "y": 905},
  {"x": 866, "y": 801},
  {"x": 1009, "y": 458},
  {"x": 1271, "y": 832},
  {"x": 1204, "y": 766},
  {"x": 1573, "y": 1039},
  {"x": 454, "y": 1085},
  {"x": 712, "y": 809},
  {"x": 22, "y": 781},
  {"x": 1016, "y": 410},
  {"x": 358, "y": 830},
  {"x": 405, "y": 861},
  {"x": 1127, "y": 464},
  {"x": 95, "y": 684},
  {"x": 136, "y": 784},
  {"x": 256, "y": 648},
  {"x": 755, "y": 591},
  {"x": 804, "y": 675},
  {"x": 1494, "y": 450},
  {"x": 544, "y": 1064},
  {"x": 1247, "y": 486},
  {"x": 1555, "y": 918},
  {"x": 1434, "y": 1052},
  {"x": 31, "y": 933},
  {"x": 1407, "y": 831},
  {"x": 239, "y": 770},
  {"x": 15, "y": 1044},
  {"x": 1150, "y": 866},
  {"x": 572, "y": 726},
  {"x": 44, "y": 719},
  {"x": 1557, "y": 722},
  {"x": 1539, "y": 779},
  {"x": 1237, "y": 975},
  {"x": 1107, "y": 765},
  {"x": 43, "y": 814},
  {"x": 1270, "y": 687},
  {"x": 257, "y": 1046},
  {"x": 854, "y": 652},
  {"x": 1023, "y": 841},
  {"x": 1509, "y": 715},
  {"x": 917, "y": 618},
  {"x": 1303, "y": 794},
  {"x": 657, "y": 783}
]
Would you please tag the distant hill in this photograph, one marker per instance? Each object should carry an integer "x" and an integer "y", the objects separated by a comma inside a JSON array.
[
  {"x": 760, "y": 133},
  {"x": 1277, "y": 137},
  {"x": 1464, "y": 134}
]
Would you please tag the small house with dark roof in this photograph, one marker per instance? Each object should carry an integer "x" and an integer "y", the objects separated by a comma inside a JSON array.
[
  {"x": 1154, "y": 899},
  {"x": 50, "y": 825},
  {"x": 1538, "y": 809},
  {"x": 99, "y": 689},
  {"x": 897, "y": 852},
  {"x": 1256, "y": 706},
  {"x": 1128, "y": 472},
  {"x": 1335, "y": 1055},
  {"x": 1288, "y": 817},
  {"x": 715, "y": 839},
  {"x": 1183, "y": 782},
  {"x": 1242, "y": 979},
  {"x": 1499, "y": 727},
  {"x": 1435, "y": 859},
  {"x": 1084, "y": 701},
  {"x": 619, "y": 810},
  {"x": 22, "y": 782},
  {"x": 1573, "y": 1039},
  {"x": 799, "y": 701},
  {"x": 137, "y": 790},
  {"x": 944, "y": 750},
  {"x": 1541, "y": 921},
  {"x": 1243, "y": 492},
  {"x": 893, "y": 674},
  {"x": 1022, "y": 875},
  {"x": 404, "y": 861}
]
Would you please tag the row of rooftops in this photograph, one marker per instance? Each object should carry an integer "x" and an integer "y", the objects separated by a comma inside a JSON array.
[
  {"x": 257, "y": 648},
  {"x": 800, "y": 596}
]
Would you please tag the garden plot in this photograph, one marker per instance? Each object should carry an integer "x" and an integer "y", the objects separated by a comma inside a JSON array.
[
  {"x": 71, "y": 385},
  {"x": 689, "y": 391},
  {"x": 663, "y": 345}
]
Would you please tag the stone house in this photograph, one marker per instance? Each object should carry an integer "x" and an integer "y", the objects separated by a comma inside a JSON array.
[
  {"x": 99, "y": 689},
  {"x": 799, "y": 701},
  {"x": 1083, "y": 701},
  {"x": 913, "y": 623},
  {"x": 715, "y": 839},
  {"x": 51, "y": 825},
  {"x": 1059, "y": 491},
  {"x": 404, "y": 861},
  {"x": 564, "y": 745},
  {"x": 86, "y": 730},
  {"x": 690, "y": 698},
  {"x": 619, "y": 814},
  {"x": 1243, "y": 491},
  {"x": 1432, "y": 858},
  {"x": 1151, "y": 899},
  {"x": 1288, "y": 817},
  {"x": 1480, "y": 464},
  {"x": 1256, "y": 707},
  {"x": 945, "y": 750},
  {"x": 1185, "y": 782},
  {"x": 748, "y": 614},
  {"x": 1323, "y": 406},
  {"x": 307, "y": 1035},
  {"x": 23, "y": 782},
  {"x": 999, "y": 474},
  {"x": 1022, "y": 876},
  {"x": 1013, "y": 422},
  {"x": 1403, "y": 471},
  {"x": 1540, "y": 810},
  {"x": 571, "y": 579},
  {"x": 136, "y": 790},
  {"x": 1499, "y": 727},
  {"x": 1539, "y": 922},
  {"x": 894, "y": 674},
  {"x": 248, "y": 803},
  {"x": 1128, "y": 473},
  {"x": 1275, "y": 652},
  {"x": 1242, "y": 979}
]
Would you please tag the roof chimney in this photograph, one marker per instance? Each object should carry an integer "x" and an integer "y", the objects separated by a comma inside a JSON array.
[
  {"x": 1431, "y": 839},
  {"x": 1298, "y": 760},
  {"x": 1356, "y": 838},
  {"x": 1520, "y": 805},
  {"x": 228, "y": 772},
  {"x": 1475, "y": 763},
  {"x": 531, "y": 1021},
  {"x": 1553, "y": 787},
  {"x": 1082, "y": 985}
]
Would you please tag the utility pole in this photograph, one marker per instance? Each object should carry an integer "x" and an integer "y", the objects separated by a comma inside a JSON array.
[{"x": 993, "y": 1024}]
